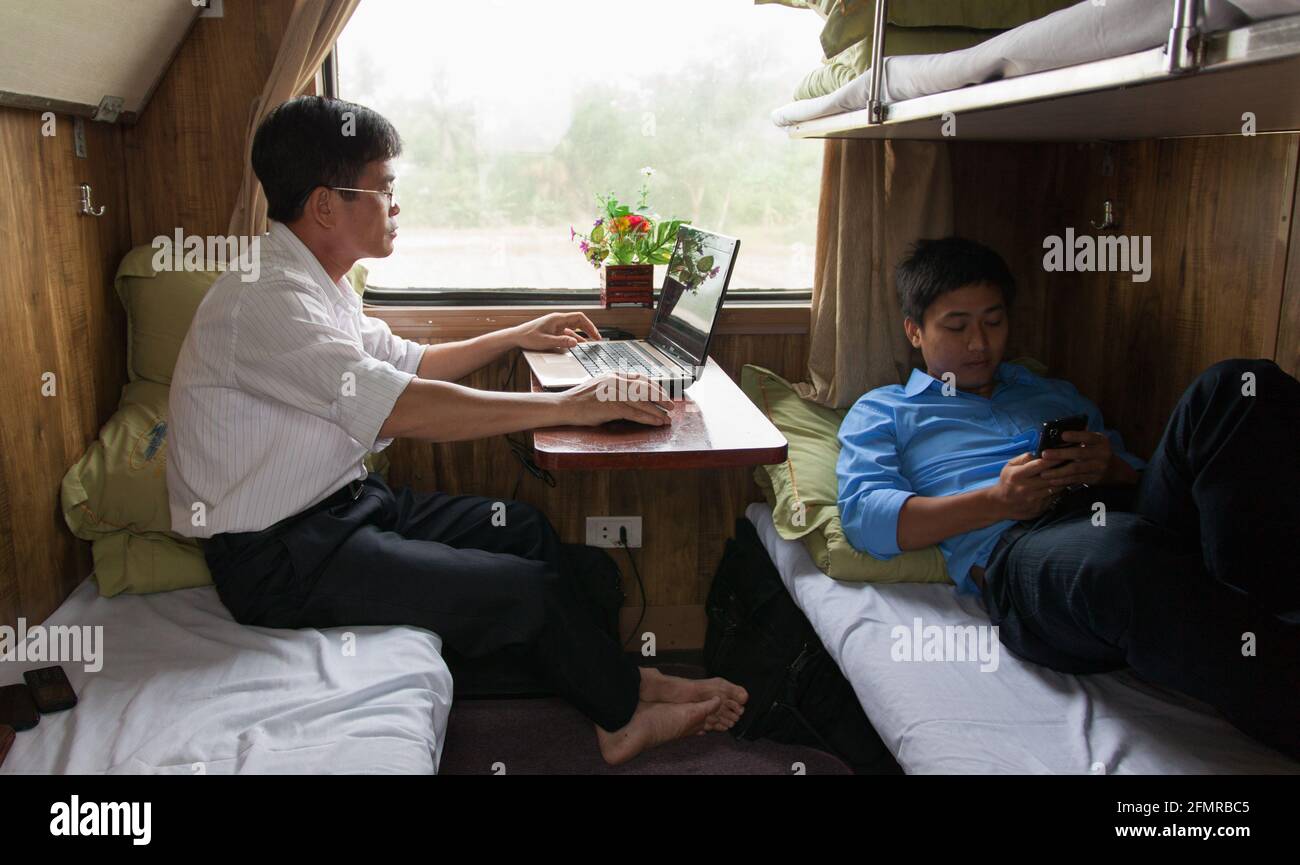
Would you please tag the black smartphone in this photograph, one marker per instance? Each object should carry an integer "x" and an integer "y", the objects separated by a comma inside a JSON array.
[
  {"x": 17, "y": 709},
  {"x": 51, "y": 690},
  {"x": 1049, "y": 435}
]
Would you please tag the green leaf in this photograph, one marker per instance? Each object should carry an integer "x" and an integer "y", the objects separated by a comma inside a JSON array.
[
  {"x": 705, "y": 264},
  {"x": 598, "y": 234}
]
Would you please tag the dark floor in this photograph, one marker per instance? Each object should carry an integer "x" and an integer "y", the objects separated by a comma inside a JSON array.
[{"x": 547, "y": 736}]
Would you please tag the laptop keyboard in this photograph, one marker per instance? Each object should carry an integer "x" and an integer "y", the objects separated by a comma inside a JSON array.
[{"x": 598, "y": 358}]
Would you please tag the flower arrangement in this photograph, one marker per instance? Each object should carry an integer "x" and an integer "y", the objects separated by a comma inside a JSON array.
[{"x": 623, "y": 235}]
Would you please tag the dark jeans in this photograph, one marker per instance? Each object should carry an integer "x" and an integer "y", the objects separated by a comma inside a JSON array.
[
  {"x": 1194, "y": 582},
  {"x": 436, "y": 561}
]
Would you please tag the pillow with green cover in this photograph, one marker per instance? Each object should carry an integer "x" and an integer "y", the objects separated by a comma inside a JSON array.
[
  {"x": 116, "y": 495},
  {"x": 804, "y": 490}
]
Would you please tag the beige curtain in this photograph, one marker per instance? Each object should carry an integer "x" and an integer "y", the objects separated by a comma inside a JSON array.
[
  {"x": 877, "y": 197},
  {"x": 313, "y": 27}
]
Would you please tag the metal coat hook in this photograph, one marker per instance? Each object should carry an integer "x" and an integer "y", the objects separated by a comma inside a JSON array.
[
  {"x": 1107, "y": 217},
  {"x": 87, "y": 208}
]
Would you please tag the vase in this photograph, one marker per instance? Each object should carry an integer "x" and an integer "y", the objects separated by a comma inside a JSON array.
[{"x": 627, "y": 285}]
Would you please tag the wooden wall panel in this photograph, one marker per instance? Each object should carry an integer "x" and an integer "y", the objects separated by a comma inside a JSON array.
[
  {"x": 185, "y": 156},
  {"x": 1218, "y": 212},
  {"x": 1288, "y": 331},
  {"x": 180, "y": 166},
  {"x": 1031, "y": 192},
  {"x": 59, "y": 315}
]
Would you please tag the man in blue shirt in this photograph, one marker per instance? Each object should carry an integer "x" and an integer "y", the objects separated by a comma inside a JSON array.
[{"x": 1086, "y": 557}]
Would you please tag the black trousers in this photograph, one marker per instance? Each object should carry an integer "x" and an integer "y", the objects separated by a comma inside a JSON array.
[
  {"x": 487, "y": 576},
  {"x": 1194, "y": 579}
]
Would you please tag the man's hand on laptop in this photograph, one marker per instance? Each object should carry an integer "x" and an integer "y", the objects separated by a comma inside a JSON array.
[
  {"x": 555, "y": 332},
  {"x": 617, "y": 396}
]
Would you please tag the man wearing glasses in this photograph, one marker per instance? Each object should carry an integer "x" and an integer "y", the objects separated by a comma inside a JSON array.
[{"x": 282, "y": 387}]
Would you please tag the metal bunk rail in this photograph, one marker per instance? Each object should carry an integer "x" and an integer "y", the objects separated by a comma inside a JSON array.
[
  {"x": 1140, "y": 95},
  {"x": 1182, "y": 50}
]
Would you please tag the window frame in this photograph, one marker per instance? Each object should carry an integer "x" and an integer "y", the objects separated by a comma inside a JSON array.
[{"x": 528, "y": 297}]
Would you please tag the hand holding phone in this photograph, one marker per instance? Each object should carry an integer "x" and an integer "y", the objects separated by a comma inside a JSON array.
[
  {"x": 1049, "y": 434},
  {"x": 1078, "y": 458}
]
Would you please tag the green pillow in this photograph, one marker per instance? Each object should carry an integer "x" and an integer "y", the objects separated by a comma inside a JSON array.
[
  {"x": 854, "y": 60},
  {"x": 804, "y": 490},
  {"x": 160, "y": 306},
  {"x": 116, "y": 495},
  {"x": 850, "y": 22}
]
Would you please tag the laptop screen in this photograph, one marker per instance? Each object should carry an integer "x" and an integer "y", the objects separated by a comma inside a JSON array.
[{"x": 694, "y": 285}]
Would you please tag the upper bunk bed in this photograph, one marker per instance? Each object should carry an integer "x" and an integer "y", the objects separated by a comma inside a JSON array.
[{"x": 1203, "y": 80}]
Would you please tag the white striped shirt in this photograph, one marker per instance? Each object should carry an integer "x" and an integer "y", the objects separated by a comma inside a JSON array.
[{"x": 279, "y": 392}]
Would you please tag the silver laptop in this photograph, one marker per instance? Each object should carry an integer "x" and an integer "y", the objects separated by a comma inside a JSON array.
[{"x": 678, "y": 345}]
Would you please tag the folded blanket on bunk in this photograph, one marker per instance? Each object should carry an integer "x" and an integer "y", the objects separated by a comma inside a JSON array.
[
  {"x": 912, "y": 27},
  {"x": 1080, "y": 34}
]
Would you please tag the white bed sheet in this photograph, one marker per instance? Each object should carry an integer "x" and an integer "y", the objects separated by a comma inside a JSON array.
[
  {"x": 184, "y": 688},
  {"x": 949, "y": 717},
  {"x": 1078, "y": 34}
]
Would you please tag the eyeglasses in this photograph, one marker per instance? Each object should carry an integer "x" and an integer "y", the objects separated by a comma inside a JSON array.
[{"x": 390, "y": 194}]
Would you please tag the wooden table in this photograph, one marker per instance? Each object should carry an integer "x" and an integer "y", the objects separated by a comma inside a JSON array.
[{"x": 715, "y": 426}]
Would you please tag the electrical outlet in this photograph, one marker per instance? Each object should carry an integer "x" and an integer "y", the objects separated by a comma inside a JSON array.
[{"x": 603, "y": 531}]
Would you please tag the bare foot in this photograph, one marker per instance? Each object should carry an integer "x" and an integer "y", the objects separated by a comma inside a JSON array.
[
  {"x": 654, "y": 724},
  {"x": 725, "y": 718},
  {"x": 656, "y": 687}
]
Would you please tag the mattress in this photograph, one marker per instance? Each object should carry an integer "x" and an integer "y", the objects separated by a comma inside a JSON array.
[
  {"x": 1081, "y": 33},
  {"x": 994, "y": 713},
  {"x": 182, "y": 688}
]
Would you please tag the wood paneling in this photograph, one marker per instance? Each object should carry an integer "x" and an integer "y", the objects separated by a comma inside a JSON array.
[
  {"x": 1031, "y": 192},
  {"x": 180, "y": 166},
  {"x": 59, "y": 315},
  {"x": 687, "y": 516},
  {"x": 1218, "y": 213},
  {"x": 1288, "y": 330},
  {"x": 185, "y": 157}
]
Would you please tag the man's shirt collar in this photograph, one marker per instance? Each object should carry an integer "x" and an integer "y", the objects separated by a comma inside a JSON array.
[
  {"x": 920, "y": 380},
  {"x": 292, "y": 243}
]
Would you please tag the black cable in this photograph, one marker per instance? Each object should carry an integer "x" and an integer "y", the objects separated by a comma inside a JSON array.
[
  {"x": 523, "y": 452},
  {"x": 505, "y": 385},
  {"x": 622, "y": 539}
]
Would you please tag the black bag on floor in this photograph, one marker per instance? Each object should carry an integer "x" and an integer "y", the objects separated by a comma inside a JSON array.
[
  {"x": 596, "y": 581},
  {"x": 758, "y": 638}
]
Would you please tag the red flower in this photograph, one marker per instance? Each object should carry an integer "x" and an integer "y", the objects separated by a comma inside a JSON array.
[{"x": 638, "y": 223}]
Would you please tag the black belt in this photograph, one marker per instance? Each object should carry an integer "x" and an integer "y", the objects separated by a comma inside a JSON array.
[
  {"x": 224, "y": 541},
  {"x": 349, "y": 492}
]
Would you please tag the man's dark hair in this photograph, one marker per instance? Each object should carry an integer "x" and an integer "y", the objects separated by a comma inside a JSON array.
[
  {"x": 313, "y": 141},
  {"x": 936, "y": 267}
]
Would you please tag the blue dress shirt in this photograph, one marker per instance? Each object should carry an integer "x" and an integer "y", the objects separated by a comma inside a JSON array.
[{"x": 900, "y": 441}]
